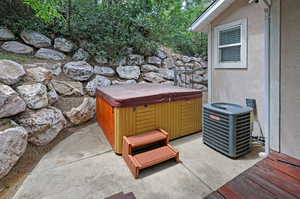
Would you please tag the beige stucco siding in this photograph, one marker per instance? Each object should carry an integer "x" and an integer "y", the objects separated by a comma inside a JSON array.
[
  {"x": 234, "y": 85},
  {"x": 290, "y": 78}
]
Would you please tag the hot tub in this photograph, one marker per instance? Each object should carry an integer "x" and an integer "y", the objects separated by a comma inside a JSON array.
[{"x": 126, "y": 110}]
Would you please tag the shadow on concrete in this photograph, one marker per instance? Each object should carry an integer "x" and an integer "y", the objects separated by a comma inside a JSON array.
[{"x": 157, "y": 168}]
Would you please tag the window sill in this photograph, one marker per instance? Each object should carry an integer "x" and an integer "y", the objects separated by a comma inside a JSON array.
[{"x": 229, "y": 67}]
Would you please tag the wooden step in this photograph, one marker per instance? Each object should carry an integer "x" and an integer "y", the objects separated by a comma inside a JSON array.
[
  {"x": 146, "y": 138},
  {"x": 155, "y": 156},
  {"x": 129, "y": 196},
  {"x": 139, "y": 159}
]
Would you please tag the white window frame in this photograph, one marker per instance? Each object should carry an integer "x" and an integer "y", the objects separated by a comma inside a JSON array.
[{"x": 244, "y": 40}]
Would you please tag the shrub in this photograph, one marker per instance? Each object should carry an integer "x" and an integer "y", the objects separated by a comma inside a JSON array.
[{"x": 111, "y": 27}]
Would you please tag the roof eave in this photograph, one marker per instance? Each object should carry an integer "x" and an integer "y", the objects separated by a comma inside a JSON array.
[{"x": 202, "y": 22}]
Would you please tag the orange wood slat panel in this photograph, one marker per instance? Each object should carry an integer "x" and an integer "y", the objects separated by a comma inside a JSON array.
[
  {"x": 178, "y": 118},
  {"x": 124, "y": 125},
  {"x": 105, "y": 118}
]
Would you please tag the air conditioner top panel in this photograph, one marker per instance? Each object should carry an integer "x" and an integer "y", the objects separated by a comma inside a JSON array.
[{"x": 227, "y": 108}]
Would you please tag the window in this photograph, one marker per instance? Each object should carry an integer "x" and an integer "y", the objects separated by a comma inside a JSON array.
[{"x": 230, "y": 50}]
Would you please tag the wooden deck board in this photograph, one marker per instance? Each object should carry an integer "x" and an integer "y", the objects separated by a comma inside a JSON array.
[
  {"x": 268, "y": 179},
  {"x": 277, "y": 177},
  {"x": 285, "y": 168},
  {"x": 266, "y": 184},
  {"x": 215, "y": 195},
  {"x": 249, "y": 189},
  {"x": 227, "y": 192}
]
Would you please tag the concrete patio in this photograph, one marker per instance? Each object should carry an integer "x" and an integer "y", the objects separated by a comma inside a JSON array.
[{"x": 84, "y": 166}]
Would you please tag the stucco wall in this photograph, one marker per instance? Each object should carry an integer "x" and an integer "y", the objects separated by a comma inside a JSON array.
[
  {"x": 290, "y": 78},
  {"x": 234, "y": 85}
]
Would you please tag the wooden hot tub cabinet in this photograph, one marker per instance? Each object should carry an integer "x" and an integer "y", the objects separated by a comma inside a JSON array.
[{"x": 127, "y": 110}]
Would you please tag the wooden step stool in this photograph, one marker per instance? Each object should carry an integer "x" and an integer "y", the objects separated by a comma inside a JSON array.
[{"x": 138, "y": 158}]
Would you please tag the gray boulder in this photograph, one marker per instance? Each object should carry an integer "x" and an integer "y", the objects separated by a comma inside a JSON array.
[
  {"x": 81, "y": 55},
  {"x": 98, "y": 81},
  {"x": 204, "y": 64},
  {"x": 101, "y": 60},
  {"x": 190, "y": 65},
  {"x": 161, "y": 54},
  {"x": 45, "y": 53},
  {"x": 34, "y": 95},
  {"x": 103, "y": 70},
  {"x": 10, "y": 102},
  {"x": 135, "y": 60},
  {"x": 153, "y": 77},
  {"x": 6, "y": 34},
  {"x": 129, "y": 72},
  {"x": 78, "y": 70},
  {"x": 42, "y": 125},
  {"x": 149, "y": 68},
  {"x": 17, "y": 47},
  {"x": 177, "y": 56},
  {"x": 84, "y": 112},
  {"x": 39, "y": 75},
  {"x": 13, "y": 143},
  {"x": 197, "y": 65},
  {"x": 200, "y": 72},
  {"x": 10, "y": 72},
  {"x": 54, "y": 68},
  {"x": 167, "y": 74},
  {"x": 52, "y": 95},
  {"x": 205, "y": 77},
  {"x": 117, "y": 82},
  {"x": 197, "y": 79},
  {"x": 63, "y": 45},
  {"x": 182, "y": 68},
  {"x": 186, "y": 78},
  {"x": 197, "y": 59},
  {"x": 35, "y": 39},
  {"x": 154, "y": 60},
  {"x": 120, "y": 62},
  {"x": 200, "y": 87},
  {"x": 168, "y": 63},
  {"x": 186, "y": 59},
  {"x": 179, "y": 63},
  {"x": 68, "y": 88}
]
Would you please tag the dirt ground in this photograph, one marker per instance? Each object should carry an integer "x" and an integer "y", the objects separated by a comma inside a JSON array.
[{"x": 9, "y": 184}]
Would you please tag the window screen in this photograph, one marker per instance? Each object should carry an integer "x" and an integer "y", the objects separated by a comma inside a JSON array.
[
  {"x": 230, "y": 45},
  {"x": 230, "y": 36},
  {"x": 230, "y": 54}
]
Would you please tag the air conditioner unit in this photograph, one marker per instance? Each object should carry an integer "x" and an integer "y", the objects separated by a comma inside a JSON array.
[{"x": 227, "y": 128}]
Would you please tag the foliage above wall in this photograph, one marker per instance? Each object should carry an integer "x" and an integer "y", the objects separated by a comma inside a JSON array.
[
  {"x": 110, "y": 27},
  {"x": 46, "y": 10}
]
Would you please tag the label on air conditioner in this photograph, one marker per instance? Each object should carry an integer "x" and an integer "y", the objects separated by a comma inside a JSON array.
[{"x": 214, "y": 117}]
